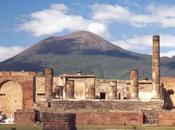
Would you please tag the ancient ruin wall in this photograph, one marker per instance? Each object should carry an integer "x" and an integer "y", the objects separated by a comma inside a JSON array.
[
  {"x": 98, "y": 105},
  {"x": 40, "y": 87}
]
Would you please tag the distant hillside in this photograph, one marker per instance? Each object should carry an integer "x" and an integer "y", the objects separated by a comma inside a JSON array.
[{"x": 86, "y": 52}]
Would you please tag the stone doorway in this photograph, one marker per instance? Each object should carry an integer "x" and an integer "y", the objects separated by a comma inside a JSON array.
[
  {"x": 10, "y": 97},
  {"x": 102, "y": 95}
]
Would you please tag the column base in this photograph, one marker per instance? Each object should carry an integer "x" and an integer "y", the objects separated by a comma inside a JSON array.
[
  {"x": 135, "y": 99},
  {"x": 155, "y": 99}
]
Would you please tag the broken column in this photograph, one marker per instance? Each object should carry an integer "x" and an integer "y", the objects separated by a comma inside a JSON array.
[
  {"x": 134, "y": 84},
  {"x": 48, "y": 82},
  {"x": 156, "y": 66}
]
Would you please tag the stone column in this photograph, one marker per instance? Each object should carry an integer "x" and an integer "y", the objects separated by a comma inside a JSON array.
[
  {"x": 48, "y": 82},
  {"x": 134, "y": 84},
  {"x": 70, "y": 89},
  {"x": 156, "y": 67},
  {"x": 91, "y": 92}
]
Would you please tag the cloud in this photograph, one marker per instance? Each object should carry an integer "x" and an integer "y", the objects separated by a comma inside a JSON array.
[
  {"x": 7, "y": 52},
  {"x": 168, "y": 53},
  {"x": 144, "y": 44},
  {"x": 98, "y": 28},
  {"x": 152, "y": 14},
  {"x": 53, "y": 20},
  {"x": 57, "y": 19}
]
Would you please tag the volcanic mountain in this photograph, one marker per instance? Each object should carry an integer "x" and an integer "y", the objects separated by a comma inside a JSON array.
[{"x": 86, "y": 52}]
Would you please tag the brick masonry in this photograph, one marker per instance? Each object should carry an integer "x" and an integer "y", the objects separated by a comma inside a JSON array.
[
  {"x": 26, "y": 117},
  {"x": 109, "y": 118},
  {"x": 166, "y": 118},
  {"x": 58, "y": 121}
]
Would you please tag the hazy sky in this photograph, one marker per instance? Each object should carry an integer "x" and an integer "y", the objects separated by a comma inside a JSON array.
[{"x": 127, "y": 23}]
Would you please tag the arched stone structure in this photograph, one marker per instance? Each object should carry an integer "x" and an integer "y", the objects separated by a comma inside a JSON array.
[
  {"x": 21, "y": 87},
  {"x": 11, "y": 98}
]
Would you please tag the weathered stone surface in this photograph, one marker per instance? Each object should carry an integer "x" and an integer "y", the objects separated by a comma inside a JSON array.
[
  {"x": 150, "y": 117},
  {"x": 58, "y": 121},
  {"x": 134, "y": 84},
  {"x": 109, "y": 118},
  {"x": 25, "y": 90},
  {"x": 100, "y": 105},
  {"x": 156, "y": 67},
  {"x": 70, "y": 89},
  {"x": 166, "y": 118},
  {"x": 24, "y": 117},
  {"x": 48, "y": 82}
]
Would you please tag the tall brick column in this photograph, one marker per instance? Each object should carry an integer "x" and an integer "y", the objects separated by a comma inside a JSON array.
[
  {"x": 48, "y": 82},
  {"x": 156, "y": 67},
  {"x": 134, "y": 84}
]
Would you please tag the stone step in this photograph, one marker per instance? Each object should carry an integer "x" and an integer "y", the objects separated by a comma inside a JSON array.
[{"x": 150, "y": 117}]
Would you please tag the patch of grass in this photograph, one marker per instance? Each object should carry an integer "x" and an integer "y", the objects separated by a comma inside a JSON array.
[{"x": 20, "y": 127}]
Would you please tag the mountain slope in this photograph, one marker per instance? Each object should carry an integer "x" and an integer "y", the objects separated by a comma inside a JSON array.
[{"x": 86, "y": 52}]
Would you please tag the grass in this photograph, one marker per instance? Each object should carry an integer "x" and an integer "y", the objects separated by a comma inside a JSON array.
[
  {"x": 89, "y": 127},
  {"x": 21, "y": 127}
]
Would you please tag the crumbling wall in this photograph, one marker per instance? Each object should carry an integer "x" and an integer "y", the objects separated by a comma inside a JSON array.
[
  {"x": 40, "y": 86},
  {"x": 99, "y": 105},
  {"x": 109, "y": 87},
  {"x": 81, "y": 87},
  {"x": 25, "y": 82}
]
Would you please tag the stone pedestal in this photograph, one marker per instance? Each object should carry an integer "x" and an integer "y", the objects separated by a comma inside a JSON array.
[
  {"x": 156, "y": 67},
  {"x": 134, "y": 84},
  {"x": 48, "y": 82}
]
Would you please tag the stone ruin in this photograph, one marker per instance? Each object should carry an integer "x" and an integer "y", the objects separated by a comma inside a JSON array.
[{"x": 60, "y": 101}]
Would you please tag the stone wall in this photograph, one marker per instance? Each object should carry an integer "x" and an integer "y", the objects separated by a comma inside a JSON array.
[
  {"x": 109, "y": 87},
  {"x": 98, "y": 105},
  {"x": 24, "y": 117},
  {"x": 122, "y": 89},
  {"x": 81, "y": 87},
  {"x": 40, "y": 86},
  {"x": 58, "y": 121}
]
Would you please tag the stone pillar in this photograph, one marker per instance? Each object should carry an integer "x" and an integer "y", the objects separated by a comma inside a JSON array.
[
  {"x": 134, "y": 84},
  {"x": 91, "y": 92},
  {"x": 70, "y": 89},
  {"x": 48, "y": 82},
  {"x": 156, "y": 67}
]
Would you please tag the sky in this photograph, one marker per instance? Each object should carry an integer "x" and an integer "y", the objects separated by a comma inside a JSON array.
[{"x": 129, "y": 24}]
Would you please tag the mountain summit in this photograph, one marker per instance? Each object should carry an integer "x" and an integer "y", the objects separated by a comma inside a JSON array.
[{"x": 80, "y": 51}]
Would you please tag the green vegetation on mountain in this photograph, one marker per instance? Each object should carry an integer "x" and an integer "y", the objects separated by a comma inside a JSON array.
[{"x": 86, "y": 52}]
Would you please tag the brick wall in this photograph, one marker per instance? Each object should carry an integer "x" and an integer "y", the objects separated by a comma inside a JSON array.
[
  {"x": 109, "y": 118},
  {"x": 23, "y": 117},
  {"x": 166, "y": 118}
]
